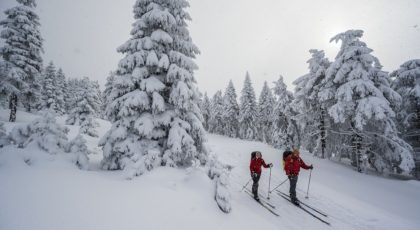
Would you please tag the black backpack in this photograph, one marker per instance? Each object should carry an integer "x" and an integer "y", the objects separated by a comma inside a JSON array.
[
  {"x": 286, "y": 154},
  {"x": 253, "y": 155}
]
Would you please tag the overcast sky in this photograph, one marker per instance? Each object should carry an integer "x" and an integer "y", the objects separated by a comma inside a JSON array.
[{"x": 265, "y": 37}]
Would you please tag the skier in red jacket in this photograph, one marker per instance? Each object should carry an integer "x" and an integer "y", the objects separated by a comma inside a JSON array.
[
  {"x": 255, "y": 167},
  {"x": 292, "y": 166}
]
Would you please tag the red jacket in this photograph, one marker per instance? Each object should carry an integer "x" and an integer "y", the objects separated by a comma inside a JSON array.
[
  {"x": 256, "y": 164},
  {"x": 293, "y": 164}
]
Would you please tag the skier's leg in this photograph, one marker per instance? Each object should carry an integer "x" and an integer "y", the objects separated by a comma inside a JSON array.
[
  {"x": 296, "y": 180},
  {"x": 255, "y": 185},
  {"x": 290, "y": 188},
  {"x": 293, "y": 182}
]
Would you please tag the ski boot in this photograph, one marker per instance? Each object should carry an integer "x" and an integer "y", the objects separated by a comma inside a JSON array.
[
  {"x": 295, "y": 201},
  {"x": 256, "y": 198}
]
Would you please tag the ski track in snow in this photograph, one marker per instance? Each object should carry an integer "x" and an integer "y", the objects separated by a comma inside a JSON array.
[{"x": 53, "y": 194}]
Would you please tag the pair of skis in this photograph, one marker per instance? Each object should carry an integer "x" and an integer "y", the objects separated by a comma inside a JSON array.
[
  {"x": 287, "y": 197},
  {"x": 271, "y": 208},
  {"x": 264, "y": 203}
]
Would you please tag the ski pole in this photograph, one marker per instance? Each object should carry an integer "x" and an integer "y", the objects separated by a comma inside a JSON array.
[
  {"x": 246, "y": 184},
  {"x": 278, "y": 185},
  {"x": 309, "y": 182},
  {"x": 269, "y": 183}
]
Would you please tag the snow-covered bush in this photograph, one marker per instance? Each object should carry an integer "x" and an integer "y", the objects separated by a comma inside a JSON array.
[
  {"x": 219, "y": 173},
  {"x": 77, "y": 147},
  {"x": 88, "y": 126},
  {"x": 43, "y": 133}
]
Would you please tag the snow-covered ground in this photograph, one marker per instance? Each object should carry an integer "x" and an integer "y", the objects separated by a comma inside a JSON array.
[{"x": 52, "y": 193}]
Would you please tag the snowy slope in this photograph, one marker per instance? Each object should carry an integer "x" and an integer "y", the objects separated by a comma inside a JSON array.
[
  {"x": 353, "y": 200},
  {"x": 52, "y": 193}
]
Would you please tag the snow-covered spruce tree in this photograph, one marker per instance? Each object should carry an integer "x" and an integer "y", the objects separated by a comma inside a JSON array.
[
  {"x": 49, "y": 88},
  {"x": 5, "y": 86},
  {"x": 285, "y": 132},
  {"x": 154, "y": 109},
  {"x": 61, "y": 92},
  {"x": 206, "y": 111},
  {"x": 265, "y": 114},
  {"x": 407, "y": 84},
  {"x": 216, "y": 122},
  {"x": 78, "y": 148},
  {"x": 362, "y": 101},
  {"x": 248, "y": 111},
  {"x": 106, "y": 94},
  {"x": 85, "y": 107},
  {"x": 312, "y": 112},
  {"x": 230, "y": 112},
  {"x": 43, "y": 133},
  {"x": 96, "y": 88},
  {"x": 21, "y": 55},
  {"x": 72, "y": 90}
]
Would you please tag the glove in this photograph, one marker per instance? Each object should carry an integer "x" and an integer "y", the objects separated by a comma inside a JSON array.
[
  {"x": 270, "y": 165},
  {"x": 254, "y": 175},
  {"x": 311, "y": 167}
]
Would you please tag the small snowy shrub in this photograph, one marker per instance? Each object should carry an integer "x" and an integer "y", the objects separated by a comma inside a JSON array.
[
  {"x": 219, "y": 173},
  {"x": 88, "y": 126},
  {"x": 78, "y": 148},
  {"x": 43, "y": 133}
]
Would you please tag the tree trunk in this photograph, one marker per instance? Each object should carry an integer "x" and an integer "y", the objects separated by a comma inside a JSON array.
[
  {"x": 13, "y": 107},
  {"x": 322, "y": 132},
  {"x": 28, "y": 106},
  {"x": 357, "y": 148}
]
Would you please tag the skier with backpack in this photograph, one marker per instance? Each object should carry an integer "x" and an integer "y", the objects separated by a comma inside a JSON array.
[
  {"x": 255, "y": 167},
  {"x": 292, "y": 164}
]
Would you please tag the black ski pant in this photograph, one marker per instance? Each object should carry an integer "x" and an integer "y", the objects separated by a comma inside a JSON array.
[
  {"x": 293, "y": 181},
  {"x": 255, "y": 179}
]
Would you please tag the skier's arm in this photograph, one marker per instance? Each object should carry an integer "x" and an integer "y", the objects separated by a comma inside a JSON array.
[
  {"x": 264, "y": 164},
  {"x": 303, "y": 165}
]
